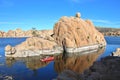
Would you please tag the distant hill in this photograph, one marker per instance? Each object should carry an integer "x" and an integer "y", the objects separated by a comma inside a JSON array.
[
  {"x": 109, "y": 31},
  {"x": 103, "y": 29}
]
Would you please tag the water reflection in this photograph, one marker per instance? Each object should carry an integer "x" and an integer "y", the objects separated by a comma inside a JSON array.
[
  {"x": 36, "y": 69},
  {"x": 30, "y": 68},
  {"x": 32, "y": 63},
  {"x": 76, "y": 62}
]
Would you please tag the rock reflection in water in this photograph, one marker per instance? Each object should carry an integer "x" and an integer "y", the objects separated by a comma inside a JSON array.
[
  {"x": 76, "y": 62},
  {"x": 32, "y": 63},
  {"x": 30, "y": 68}
]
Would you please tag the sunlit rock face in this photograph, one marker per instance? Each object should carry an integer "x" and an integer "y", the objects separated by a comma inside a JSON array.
[
  {"x": 116, "y": 53},
  {"x": 78, "y": 15},
  {"x": 9, "y": 50},
  {"x": 1, "y": 33},
  {"x": 20, "y": 32},
  {"x": 36, "y": 43},
  {"x": 70, "y": 34},
  {"x": 33, "y": 46},
  {"x": 29, "y": 33},
  {"x": 75, "y": 32},
  {"x": 76, "y": 62}
]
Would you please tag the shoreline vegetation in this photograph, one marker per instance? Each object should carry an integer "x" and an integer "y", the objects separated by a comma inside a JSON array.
[{"x": 67, "y": 36}]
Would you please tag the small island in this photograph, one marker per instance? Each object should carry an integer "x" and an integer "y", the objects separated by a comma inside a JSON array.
[{"x": 69, "y": 35}]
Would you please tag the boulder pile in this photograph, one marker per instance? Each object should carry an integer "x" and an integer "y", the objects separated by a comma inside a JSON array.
[{"x": 70, "y": 34}]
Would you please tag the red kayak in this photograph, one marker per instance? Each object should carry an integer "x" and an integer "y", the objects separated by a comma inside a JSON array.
[{"x": 47, "y": 59}]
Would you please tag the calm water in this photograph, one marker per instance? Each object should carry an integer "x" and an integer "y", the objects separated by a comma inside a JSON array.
[
  {"x": 112, "y": 44},
  {"x": 33, "y": 69}
]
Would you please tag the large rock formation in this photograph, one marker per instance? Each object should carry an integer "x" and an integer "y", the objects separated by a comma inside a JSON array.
[
  {"x": 70, "y": 34},
  {"x": 74, "y": 32}
]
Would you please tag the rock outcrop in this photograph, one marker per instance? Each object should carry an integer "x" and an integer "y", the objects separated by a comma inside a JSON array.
[
  {"x": 33, "y": 46},
  {"x": 29, "y": 33},
  {"x": 9, "y": 50},
  {"x": 78, "y": 15},
  {"x": 1, "y": 34},
  {"x": 70, "y": 34},
  {"x": 117, "y": 53},
  {"x": 106, "y": 69},
  {"x": 74, "y": 32}
]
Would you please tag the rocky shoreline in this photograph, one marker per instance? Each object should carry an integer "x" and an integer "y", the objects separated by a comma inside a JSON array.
[
  {"x": 117, "y": 53},
  {"x": 105, "y": 69},
  {"x": 117, "y": 33},
  {"x": 30, "y": 53},
  {"x": 58, "y": 50}
]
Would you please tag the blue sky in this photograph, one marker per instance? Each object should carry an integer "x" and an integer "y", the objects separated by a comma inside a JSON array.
[{"x": 42, "y": 14}]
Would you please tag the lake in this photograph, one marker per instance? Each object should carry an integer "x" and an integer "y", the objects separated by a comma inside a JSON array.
[{"x": 33, "y": 69}]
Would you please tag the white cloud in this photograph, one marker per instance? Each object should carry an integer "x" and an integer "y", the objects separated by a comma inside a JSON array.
[
  {"x": 107, "y": 22},
  {"x": 101, "y": 21}
]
